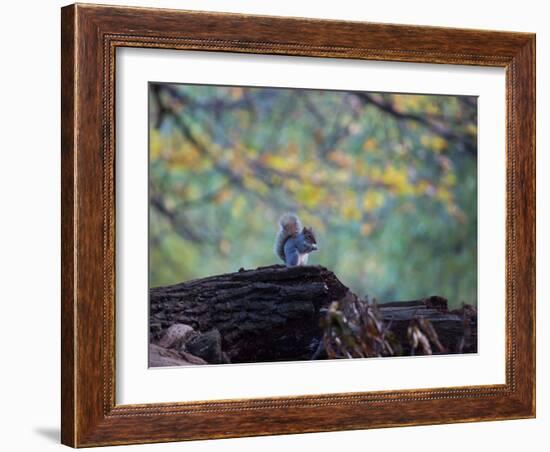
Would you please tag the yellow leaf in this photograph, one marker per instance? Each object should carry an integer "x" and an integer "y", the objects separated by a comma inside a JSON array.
[
  {"x": 395, "y": 177},
  {"x": 279, "y": 162},
  {"x": 349, "y": 208},
  {"x": 471, "y": 129},
  {"x": 435, "y": 143},
  {"x": 310, "y": 195},
  {"x": 155, "y": 143},
  {"x": 373, "y": 200},
  {"x": 186, "y": 156},
  {"x": 449, "y": 179},
  {"x": 443, "y": 194}
]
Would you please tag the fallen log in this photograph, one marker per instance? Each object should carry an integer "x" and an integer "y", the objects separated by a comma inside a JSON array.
[
  {"x": 268, "y": 314},
  {"x": 456, "y": 330},
  {"x": 274, "y": 313}
]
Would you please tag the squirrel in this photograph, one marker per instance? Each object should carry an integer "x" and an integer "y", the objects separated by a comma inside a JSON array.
[{"x": 294, "y": 243}]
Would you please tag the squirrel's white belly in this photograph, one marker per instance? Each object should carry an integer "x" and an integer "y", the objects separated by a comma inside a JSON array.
[{"x": 302, "y": 259}]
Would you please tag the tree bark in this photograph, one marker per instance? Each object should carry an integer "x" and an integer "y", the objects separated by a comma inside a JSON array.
[
  {"x": 273, "y": 313},
  {"x": 456, "y": 330},
  {"x": 268, "y": 314}
]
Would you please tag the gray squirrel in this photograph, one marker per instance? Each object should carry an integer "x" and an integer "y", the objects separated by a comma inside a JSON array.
[{"x": 294, "y": 243}]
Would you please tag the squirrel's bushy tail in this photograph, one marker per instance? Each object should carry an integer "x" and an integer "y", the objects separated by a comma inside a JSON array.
[{"x": 289, "y": 224}]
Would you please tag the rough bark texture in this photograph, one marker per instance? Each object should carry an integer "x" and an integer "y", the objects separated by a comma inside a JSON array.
[
  {"x": 273, "y": 313},
  {"x": 268, "y": 314}
]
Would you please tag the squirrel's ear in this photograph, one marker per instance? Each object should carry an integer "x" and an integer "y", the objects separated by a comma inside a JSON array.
[{"x": 309, "y": 231}]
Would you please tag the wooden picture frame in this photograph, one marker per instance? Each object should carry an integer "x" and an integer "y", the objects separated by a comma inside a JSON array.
[{"x": 90, "y": 36}]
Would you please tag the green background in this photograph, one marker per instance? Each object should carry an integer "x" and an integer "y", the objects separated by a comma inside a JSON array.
[{"x": 387, "y": 181}]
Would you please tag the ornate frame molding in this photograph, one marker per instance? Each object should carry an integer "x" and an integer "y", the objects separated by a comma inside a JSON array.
[{"x": 90, "y": 37}]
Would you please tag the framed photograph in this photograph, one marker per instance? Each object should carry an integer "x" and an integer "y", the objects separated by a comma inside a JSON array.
[{"x": 281, "y": 225}]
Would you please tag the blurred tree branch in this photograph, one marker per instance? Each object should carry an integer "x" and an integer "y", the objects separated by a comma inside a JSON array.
[
  {"x": 435, "y": 126},
  {"x": 182, "y": 227}
]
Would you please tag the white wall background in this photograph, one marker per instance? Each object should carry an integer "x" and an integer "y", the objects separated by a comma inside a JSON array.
[{"x": 29, "y": 230}]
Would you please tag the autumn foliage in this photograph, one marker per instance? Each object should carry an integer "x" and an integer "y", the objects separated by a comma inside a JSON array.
[{"x": 387, "y": 181}]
